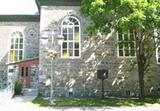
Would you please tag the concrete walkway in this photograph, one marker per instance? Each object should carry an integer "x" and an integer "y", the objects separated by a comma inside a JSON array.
[{"x": 23, "y": 103}]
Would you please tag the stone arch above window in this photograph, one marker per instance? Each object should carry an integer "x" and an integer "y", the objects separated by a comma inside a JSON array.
[
  {"x": 16, "y": 48},
  {"x": 71, "y": 30}
]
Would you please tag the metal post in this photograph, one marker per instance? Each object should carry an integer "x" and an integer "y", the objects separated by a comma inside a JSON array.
[
  {"x": 102, "y": 88},
  {"x": 51, "y": 90}
]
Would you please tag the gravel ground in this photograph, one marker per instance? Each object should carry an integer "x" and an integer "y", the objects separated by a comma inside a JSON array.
[{"x": 24, "y": 104}]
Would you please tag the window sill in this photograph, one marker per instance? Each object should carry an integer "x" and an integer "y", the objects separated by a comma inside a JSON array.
[{"x": 129, "y": 57}]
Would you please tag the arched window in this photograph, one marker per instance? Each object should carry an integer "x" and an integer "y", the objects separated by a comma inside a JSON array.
[
  {"x": 71, "y": 47},
  {"x": 16, "y": 49}
]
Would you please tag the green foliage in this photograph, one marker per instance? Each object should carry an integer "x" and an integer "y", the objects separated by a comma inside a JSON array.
[
  {"x": 140, "y": 16},
  {"x": 41, "y": 102},
  {"x": 125, "y": 14},
  {"x": 18, "y": 88},
  {"x": 104, "y": 102}
]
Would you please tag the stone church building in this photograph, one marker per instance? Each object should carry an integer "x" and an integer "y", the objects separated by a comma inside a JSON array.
[{"x": 29, "y": 29}]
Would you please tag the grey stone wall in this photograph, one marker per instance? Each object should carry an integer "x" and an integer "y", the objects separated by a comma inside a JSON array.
[
  {"x": 78, "y": 77},
  {"x": 34, "y": 76},
  {"x": 31, "y": 42}
]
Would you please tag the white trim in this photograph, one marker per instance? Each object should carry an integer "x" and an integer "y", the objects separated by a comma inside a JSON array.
[
  {"x": 157, "y": 55},
  {"x": 73, "y": 41},
  {"x": 123, "y": 47},
  {"x": 18, "y": 45}
]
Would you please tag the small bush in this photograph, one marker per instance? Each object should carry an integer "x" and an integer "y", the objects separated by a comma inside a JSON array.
[{"x": 18, "y": 88}]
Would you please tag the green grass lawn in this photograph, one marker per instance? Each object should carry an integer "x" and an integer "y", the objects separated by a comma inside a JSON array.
[
  {"x": 95, "y": 102},
  {"x": 41, "y": 102}
]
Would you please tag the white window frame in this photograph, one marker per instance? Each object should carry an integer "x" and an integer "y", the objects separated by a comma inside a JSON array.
[
  {"x": 118, "y": 55},
  {"x": 157, "y": 55},
  {"x": 18, "y": 49},
  {"x": 68, "y": 41}
]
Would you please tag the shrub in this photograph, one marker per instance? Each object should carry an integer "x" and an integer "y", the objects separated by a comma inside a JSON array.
[{"x": 18, "y": 88}]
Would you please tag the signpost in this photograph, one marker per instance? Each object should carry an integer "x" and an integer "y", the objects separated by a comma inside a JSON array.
[{"x": 102, "y": 74}]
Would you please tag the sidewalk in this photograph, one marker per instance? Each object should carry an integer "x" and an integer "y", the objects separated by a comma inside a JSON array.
[{"x": 23, "y": 103}]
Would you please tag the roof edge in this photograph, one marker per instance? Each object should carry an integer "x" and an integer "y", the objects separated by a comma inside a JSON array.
[
  {"x": 19, "y": 18},
  {"x": 60, "y": 2}
]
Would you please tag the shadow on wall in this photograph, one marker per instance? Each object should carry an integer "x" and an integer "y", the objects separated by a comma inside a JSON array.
[{"x": 78, "y": 77}]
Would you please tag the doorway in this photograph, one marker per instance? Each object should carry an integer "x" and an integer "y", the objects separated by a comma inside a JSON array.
[{"x": 25, "y": 75}]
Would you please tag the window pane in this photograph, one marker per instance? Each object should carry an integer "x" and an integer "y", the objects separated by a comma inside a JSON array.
[
  {"x": 21, "y": 40},
  {"x": 70, "y": 36},
  {"x": 26, "y": 71},
  {"x": 126, "y": 52},
  {"x": 132, "y": 37},
  {"x": 76, "y": 29},
  {"x": 11, "y": 46},
  {"x": 21, "y": 35},
  {"x": 20, "y": 53},
  {"x": 125, "y": 37},
  {"x": 16, "y": 40},
  {"x": 120, "y": 52},
  {"x": 65, "y": 36},
  {"x": 11, "y": 58},
  {"x": 76, "y": 23},
  {"x": 132, "y": 53},
  {"x": 20, "y": 57},
  {"x": 76, "y": 52},
  {"x": 70, "y": 53},
  {"x": 71, "y": 46},
  {"x": 16, "y": 53},
  {"x": 132, "y": 45},
  {"x": 120, "y": 38},
  {"x": 71, "y": 19},
  {"x": 65, "y": 45},
  {"x": 120, "y": 45},
  {"x": 15, "y": 58},
  {"x": 16, "y": 46},
  {"x": 21, "y": 46},
  {"x": 76, "y": 37},
  {"x": 64, "y": 30},
  {"x": 65, "y": 22},
  {"x": 126, "y": 44},
  {"x": 70, "y": 30},
  {"x": 65, "y": 53},
  {"x": 76, "y": 45}
]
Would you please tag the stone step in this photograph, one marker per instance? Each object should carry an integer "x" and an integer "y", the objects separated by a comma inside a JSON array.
[{"x": 30, "y": 92}]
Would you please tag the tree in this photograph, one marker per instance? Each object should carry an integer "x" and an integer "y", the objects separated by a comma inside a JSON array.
[{"x": 140, "y": 16}]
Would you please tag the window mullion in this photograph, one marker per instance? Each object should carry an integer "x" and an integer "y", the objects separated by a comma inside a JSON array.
[
  {"x": 67, "y": 41},
  {"x": 123, "y": 45},
  {"x": 18, "y": 48},
  {"x": 73, "y": 41},
  {"x": 129, "y": 43}
]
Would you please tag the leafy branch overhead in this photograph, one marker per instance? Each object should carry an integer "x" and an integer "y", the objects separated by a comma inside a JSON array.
[
  {"x": 142, "y": 17},
  {"x": 125, "y": 14}
]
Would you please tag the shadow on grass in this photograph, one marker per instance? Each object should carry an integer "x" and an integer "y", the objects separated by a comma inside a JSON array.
[
  {"x": 96, "y": 102},
  {"x": 105, "y": 102}
]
